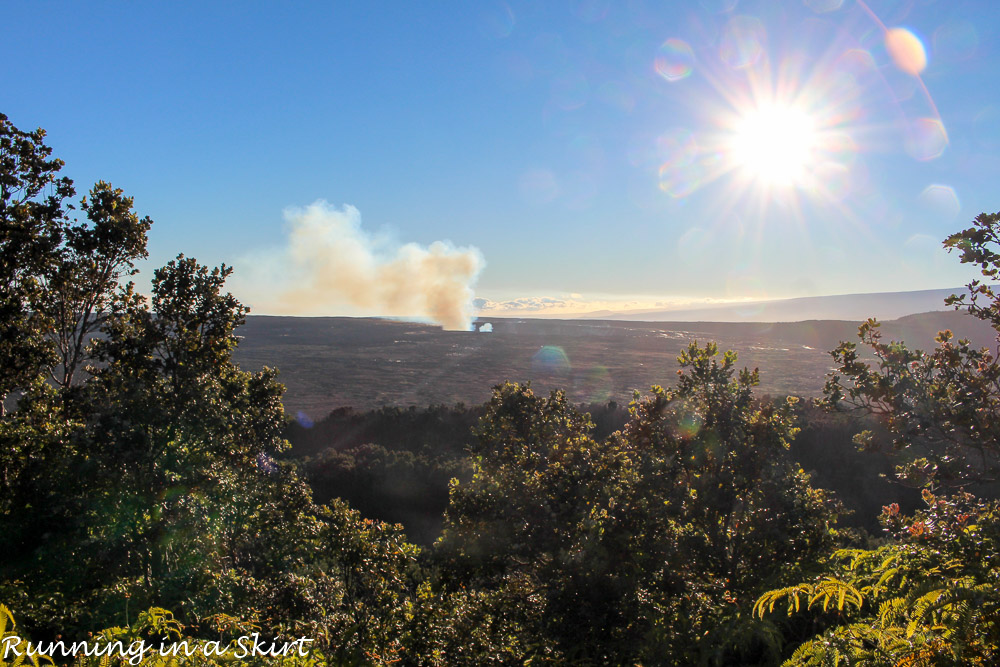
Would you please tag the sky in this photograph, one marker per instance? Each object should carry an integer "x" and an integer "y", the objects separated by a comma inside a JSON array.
[{"x": 452, "y": 158}]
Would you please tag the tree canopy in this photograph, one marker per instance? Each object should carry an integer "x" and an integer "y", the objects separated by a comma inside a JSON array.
[{"x": 929, "y": 596}]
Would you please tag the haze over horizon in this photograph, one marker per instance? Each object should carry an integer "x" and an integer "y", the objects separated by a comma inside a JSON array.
[
  {"x": 850, "y": 307},
  {"x": 508, "y": 158},
  {"x": 833, "y": 307}
]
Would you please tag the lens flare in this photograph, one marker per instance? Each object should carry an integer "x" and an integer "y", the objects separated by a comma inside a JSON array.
[
  {"x": 831, "y": 182},
  {"x": 497, "y": 22},
  {"x": 956, "y": 41},
  {"x": 679, "y": 171},
  {"x": 550, "y": 359},
  {"x": 266, "y": 464},
  {"x": 674, "y": 60},
  {"x": 840, "y": 147},
  {"x": 595, "y": 385},
  {"x": 856, "y": 66},
  {"x": 906, "y": 50},
  {"x": 742, "y": 43},
  {"x": 688, "y": 425},
  {"x": 941, "y": 201},
  {"x": 926, "y": 139}
]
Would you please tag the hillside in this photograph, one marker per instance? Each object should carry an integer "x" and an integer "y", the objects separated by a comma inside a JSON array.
[{"x": 883, "y": 305}]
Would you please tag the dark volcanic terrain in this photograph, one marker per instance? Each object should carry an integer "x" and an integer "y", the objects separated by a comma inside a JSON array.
[{"x": 331, "y": 362}]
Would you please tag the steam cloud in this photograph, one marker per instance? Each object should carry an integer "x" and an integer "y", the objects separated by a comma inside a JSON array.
[{"x": 330, "y": 261}]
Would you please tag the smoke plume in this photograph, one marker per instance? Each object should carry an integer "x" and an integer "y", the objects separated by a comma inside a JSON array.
[{"x": 331, "y": 262}]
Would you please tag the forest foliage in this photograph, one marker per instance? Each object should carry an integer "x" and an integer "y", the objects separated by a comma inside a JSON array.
[{"x": 149, "y": 489}]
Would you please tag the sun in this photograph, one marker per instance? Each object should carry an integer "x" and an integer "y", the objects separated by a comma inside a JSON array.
[{"x": 775, "y": 144}]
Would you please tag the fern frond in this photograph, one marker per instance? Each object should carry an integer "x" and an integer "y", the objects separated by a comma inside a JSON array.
[
  {"x": 771, "y": 598},
  {"x": 830, "y": 588}
]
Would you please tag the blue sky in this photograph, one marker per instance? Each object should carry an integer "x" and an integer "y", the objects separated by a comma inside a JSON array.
[{"x": 585, "y": 154}]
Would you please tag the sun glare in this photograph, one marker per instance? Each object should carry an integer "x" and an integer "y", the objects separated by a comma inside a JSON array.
[{"x": 775, "y": 145}]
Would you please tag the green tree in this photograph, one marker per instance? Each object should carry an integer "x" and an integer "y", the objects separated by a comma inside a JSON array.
[
  {"x": 940, "y": 406},
  {"x": 929, "y": 596},
  {"x": 167, "y": 492},
  {"x": 58, "y": 274},
  {"x": 648, "y": 546},
  {"x": 32, "y": 221},
  {"x": 97, "y": 256},
  {"x": 153, "y": 479}
]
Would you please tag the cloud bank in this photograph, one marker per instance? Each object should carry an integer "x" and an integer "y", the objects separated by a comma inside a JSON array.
[{"x": 331, "y": 262}]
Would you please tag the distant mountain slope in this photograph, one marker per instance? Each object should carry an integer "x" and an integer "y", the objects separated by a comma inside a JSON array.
[
  {"x": 859, "y": 307},
  {"x": 919, "y": 330}
]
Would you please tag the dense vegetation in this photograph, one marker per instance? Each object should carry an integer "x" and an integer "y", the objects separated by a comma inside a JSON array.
[
  {"x": 394, "y": 464},
  {"x": 143, "y": 471}
]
